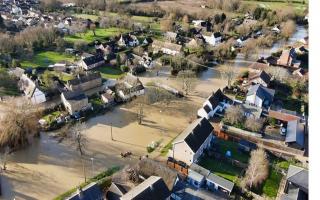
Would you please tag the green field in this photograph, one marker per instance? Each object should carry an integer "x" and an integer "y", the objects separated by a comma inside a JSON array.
[
  {"x": 101, "y": 34},
  {"x": 46, "y": 58},
  {"x": 271, "y": 185},
  {"x": 220, "y": 168},
  {"x": 86, "y": 16},
  {"x": 109, "y": 72},
  {"x": 278, "y": 4}
]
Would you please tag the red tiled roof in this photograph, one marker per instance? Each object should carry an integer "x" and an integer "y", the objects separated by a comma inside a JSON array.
[{"x": 282, "y": 116}]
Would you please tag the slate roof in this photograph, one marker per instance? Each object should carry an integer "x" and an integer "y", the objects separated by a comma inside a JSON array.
[
  {"x": 261, "y": 91},
  {"x": 93, "y": 59},
  {"x": 263, "y": 75},
  {"x": 82, "y": 78},
  {"x": 207, "y": 108},
  {"x": 201, "y": 170},
  {"x": 153, "y": 188},
  {"x": 116, "y": 191},
  {"x": 228, "y": 185},
  {"x": 74, "y": 95},
  {"x": 90, "y": 192},
  {"x": 196, "y": 133},
  {"x": 295, "y": 133},
  {"x": 216, "y": 98},
  {"x": 252, "y": 110}
]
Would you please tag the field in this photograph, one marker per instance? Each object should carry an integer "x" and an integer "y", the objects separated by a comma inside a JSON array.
[
  {"x": 101, "y": 34},
  {"x": 86, "y": 16},
  {"x": 221, "y": 168},
  {"x": 46, "y": 58},
  {"x": 297, "y": 5},
  {"x": 110, "y": 72}
]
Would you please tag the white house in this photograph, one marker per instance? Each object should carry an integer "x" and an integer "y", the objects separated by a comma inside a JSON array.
[
  {"x": 260, "y": 96},
  {"x": 213, "y": 39},
  {"x": 130, "y": 87},
  {"x": 216, "y": 102},
  {"x": 31, "y": 90},
  {"x": 133, "y": 41},
  {"x": 75, "y": 101},
  {"x": 191, "y": 143}
]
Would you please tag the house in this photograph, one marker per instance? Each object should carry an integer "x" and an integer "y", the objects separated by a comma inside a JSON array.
[
  {"x": 217, "y": 183},
  {"x": 197, "y": 175},
  {"x": 216, "y": 102},
  {"x": 260, "y": 96},
  {"x": 147, "y": 40},
  {"x": 92, "y": 62},
  {"x": 191, "y": 143},
  {"x": 85, "y": 81},
  {"x": 153, "y": 188},
  {"x": 262, "y": 78},
  {"x": 90, "y": 192},
  {"x": 288, "y": 58},
  {"x": 258, "y": 66},
  {"x": 213, "y": 39},
  {"x": 60, "y": 67},
  {"x": 108, "y": 97},
  {"x": 297, "y": 184},
  {"x": 130, "y": 87},
  {"x": 170, "y": 36},
  {"x": 128, "y": 40},
  {"x": 295, "y": 134},
  {"x": 166, "y": 47},
  {"x": 32, "y": 90},
  {"x": 251, "y": 111},
  {"x": 75, "y": 101}
]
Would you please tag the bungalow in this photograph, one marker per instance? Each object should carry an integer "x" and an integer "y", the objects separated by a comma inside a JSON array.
[
  {"x": 166, "y": 47},
  {"x": 288, "y": 58},
  {"x": 260, "y": 96},
  {"x": 92, "y": 62},
  {"x": 297, "y": 184},
  {"x": 130, "y": 87},
  {"x": 191, "y": 143},
  {"x": 259, "y": 78},
  {"x": 85, "y": 81},
  {"x": 217, "y": 183},
  {"x": 31, "y": 90},
  {"x": 197, "y": 175},
  {"x": 74, "y": 101},
  {"x": 213, "y": 39},
  {"x": 153, "y": 188},
  {"x": 216, "y": 102},
  {"x": 90, "y": 192}
]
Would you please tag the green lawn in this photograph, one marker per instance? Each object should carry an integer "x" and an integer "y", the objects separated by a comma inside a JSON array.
[
  {"x": 86, "y": 16},
  {"x": 62, "y": 76},
  {"x": 52, "y": 116},
  {"x": 101, "y": 34},
  {"x": 220, "y": 168},
  {"x": 233, "y": 147},
  {"x": 271, "y": 185},
  {"x": 46, "y": 58},
  {"x": 165, "y": 149},
  {"x": 109, "y": 72},
  {"x": 278, "y": 4}
]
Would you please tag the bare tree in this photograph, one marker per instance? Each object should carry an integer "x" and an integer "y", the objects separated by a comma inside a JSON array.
[
  {"x": 278, "y": 73},
  {"x": 234, "y": 115},
  {"x": 254, "y": 125},
  {"x": 257, "y": 170},
  {"x": 188, "y": 79},
  {"x": 250, "y": 48},
  {"x": 80, "y": 142},
  {"x": 288, "y": 29},
  {"x": 19, "y": 123},
  {"x": 229, "y": 73}
]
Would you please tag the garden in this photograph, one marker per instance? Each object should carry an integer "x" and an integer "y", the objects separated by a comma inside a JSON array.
[
  {"x": 45, "y": 58},
  {"x": 110, "y": 72}
]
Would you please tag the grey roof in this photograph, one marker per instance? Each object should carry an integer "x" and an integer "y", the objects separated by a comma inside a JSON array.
[
  {"x": 196, "y": 133},
  {"x": 93, "y": 59},
  {"x": 261, "y": 91},
  {"x": 195, "y": 176},
  {"x": 228, "y": 185},
  {"x": 153, "y": 188},
  {"x": 263, "y": 75},
  {"x": 299, "y": 177},
  {"x": 295, "y": 133},
  {"x": 201, "y": 170},
  {"x": 74, "y": 95},
  {"x": 90, "y": 192}
]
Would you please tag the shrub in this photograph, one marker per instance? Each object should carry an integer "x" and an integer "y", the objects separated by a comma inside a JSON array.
[{"x": 124, "y": 68}]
